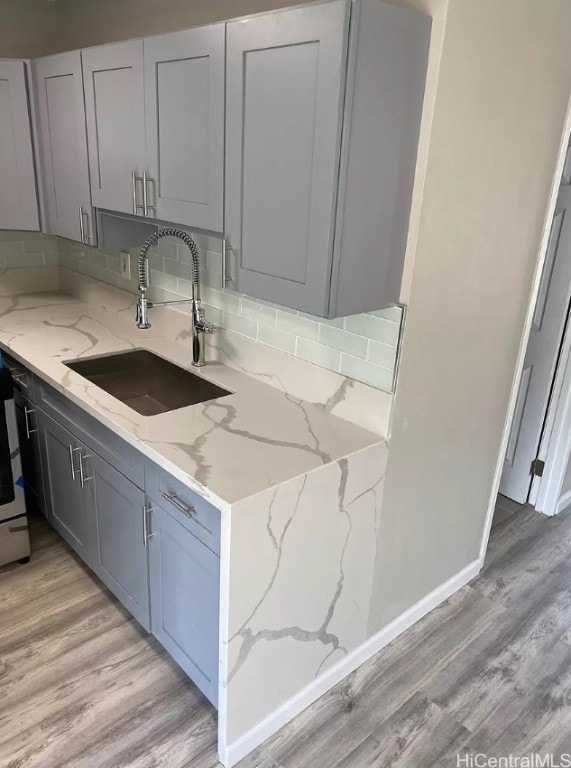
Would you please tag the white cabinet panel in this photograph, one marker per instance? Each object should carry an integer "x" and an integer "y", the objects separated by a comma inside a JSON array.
[
  {"x": 63, "y": 141},
  {"x": 18, "y": 193},
  {"x": 184, "y": 103},
  {"x": 115, "y": 108},
  {"x": 285, "y": 85}
]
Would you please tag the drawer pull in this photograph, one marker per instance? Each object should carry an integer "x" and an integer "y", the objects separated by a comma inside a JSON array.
[
  {"x": 20, "y": 377},
  {"x": 17, "y": 529},
  {"x": 186, "y": 509}
]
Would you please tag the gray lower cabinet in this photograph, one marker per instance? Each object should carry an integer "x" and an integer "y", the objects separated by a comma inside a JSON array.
[
  {"x": 30, "y": 451},
  {"x": 162, "y": 564},
  {"x": 119, "y": 531},
  {"x": 184, "y": 580},
  {"x": 100, "y": 514},
  {"x": 68, "y": 507}
]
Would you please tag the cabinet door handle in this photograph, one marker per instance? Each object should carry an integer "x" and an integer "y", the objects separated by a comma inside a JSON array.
[
  {"x": 147, "y": 533},
  {"x": 146, "y": 205},
  {"x": 225, "y": 249},
  {"x": 85, "y": 232},
  {"x": 72, "y": 452},
  {"x": 81, "y": 227},
  {"x": 82, "y": 478},
  {"x": 134, "y": 180},
  {"x": 186, "y": 509},
  {"x": 27, "y": 412}
]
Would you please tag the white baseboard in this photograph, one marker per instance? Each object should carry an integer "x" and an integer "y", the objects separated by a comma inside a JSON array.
[
  {"x": 281, "y": 716},
  {"x": 563, "y": 502}
]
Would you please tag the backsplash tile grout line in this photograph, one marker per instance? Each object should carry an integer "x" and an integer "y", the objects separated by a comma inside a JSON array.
[{"x": 363, "y": 347}]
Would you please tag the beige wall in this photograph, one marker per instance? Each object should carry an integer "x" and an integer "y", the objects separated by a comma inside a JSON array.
[
  {"x": 27, "y": 28},
  {"x": 505, "y": 81},
  {"x": 85, "y": 22}
]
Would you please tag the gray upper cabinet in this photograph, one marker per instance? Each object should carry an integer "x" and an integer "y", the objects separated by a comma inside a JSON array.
[
  {"x": 323, "y": 110},
  {"x": 115, "y": 111},
  {"x": 18, "y": 193},
  {"x": 293, "y": 133},
  {"x": 284, "y": 75},
  {"x": 120, "y": 536},
  {"x": 185, "y": 583},
  {"x": 388, "y": 59},
  {"x": 63, "y": 144},
  {"x": 184, "y": 106}
]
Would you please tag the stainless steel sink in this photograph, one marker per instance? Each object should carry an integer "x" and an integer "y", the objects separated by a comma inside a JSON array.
[{"x": 145, "y": 382}]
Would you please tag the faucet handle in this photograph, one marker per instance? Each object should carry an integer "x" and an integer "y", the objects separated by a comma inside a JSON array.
[
  {"x": 207, "y": 327},
  {"x": 200, "y": 322}
]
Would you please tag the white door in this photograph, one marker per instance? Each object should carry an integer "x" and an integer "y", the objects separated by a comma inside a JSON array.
[
  {"x": 115, "y": 109},
  {"x": 184, "y": 105},
  {"x": 63, "y": 142},
  {"x": 542, "y": 352},
  {"x": 18, "y": 193},
  {"x": 284, "y": 91}
]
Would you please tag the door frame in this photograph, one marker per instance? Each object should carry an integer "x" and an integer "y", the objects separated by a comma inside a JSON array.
[
  {"x": 555, "y": 445},
  {"x": 534, "y": 293}
]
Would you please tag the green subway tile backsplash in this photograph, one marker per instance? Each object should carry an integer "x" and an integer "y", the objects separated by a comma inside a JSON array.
[{"x": 363, "y": 347}]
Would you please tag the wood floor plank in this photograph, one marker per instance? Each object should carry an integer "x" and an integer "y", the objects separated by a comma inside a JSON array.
[
  {"x": 341, "y": 719},
  {"x": 535, "y": 720},
  {"x": 82, "y": 685},
  {"x": 527, "y": 555},
  {"x": 506, "y": 657},
  {"x": 418, "y": 734},
  {"x": 505, "y": 510}
]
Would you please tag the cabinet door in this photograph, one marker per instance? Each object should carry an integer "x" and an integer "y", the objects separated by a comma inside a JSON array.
[
  {"x": 184, "y": 104},
  {"x": 30, "y": 452},
  {"x": 285, "y": 84},
  {"x": 63, "y": 141},
  {"x": 68, "y": 505},
  {"x": 184, "y": 578},
  {"x": 119, "y": 536},
  {"x": 114, "y": 103},
  {"x": 18, "y": 193}
]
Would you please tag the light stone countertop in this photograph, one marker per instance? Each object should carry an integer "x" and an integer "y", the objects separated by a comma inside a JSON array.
[{"x": 226, "y": 449}]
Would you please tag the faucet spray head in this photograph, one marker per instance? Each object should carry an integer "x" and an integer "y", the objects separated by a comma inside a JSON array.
[{"x": 143, "y": 305}]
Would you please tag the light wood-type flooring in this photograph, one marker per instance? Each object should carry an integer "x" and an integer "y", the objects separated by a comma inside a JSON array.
[{"x": 489, "y": 671}]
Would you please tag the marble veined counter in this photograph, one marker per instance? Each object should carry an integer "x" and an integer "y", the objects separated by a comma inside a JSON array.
[
  {"x": 228, "y": 449},
  {"x": 300, "y": 492}
]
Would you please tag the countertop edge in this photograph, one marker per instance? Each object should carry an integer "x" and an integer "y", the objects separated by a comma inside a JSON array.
[{"x": 146, "y": 450}]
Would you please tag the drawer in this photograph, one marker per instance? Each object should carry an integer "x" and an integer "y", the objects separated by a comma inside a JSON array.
[
  {"x": 186, "y": 506},
  {"x": 124, "y": 457}
]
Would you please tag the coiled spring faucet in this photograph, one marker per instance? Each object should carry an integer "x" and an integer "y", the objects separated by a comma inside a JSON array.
[{"x": 200, "y": 325}]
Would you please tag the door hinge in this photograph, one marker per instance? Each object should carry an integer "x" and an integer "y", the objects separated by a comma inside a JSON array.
[{"x": 537, "y": 468}]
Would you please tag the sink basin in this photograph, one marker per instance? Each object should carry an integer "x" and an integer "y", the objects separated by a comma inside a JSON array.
[{"x": 145, "y": 382}]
